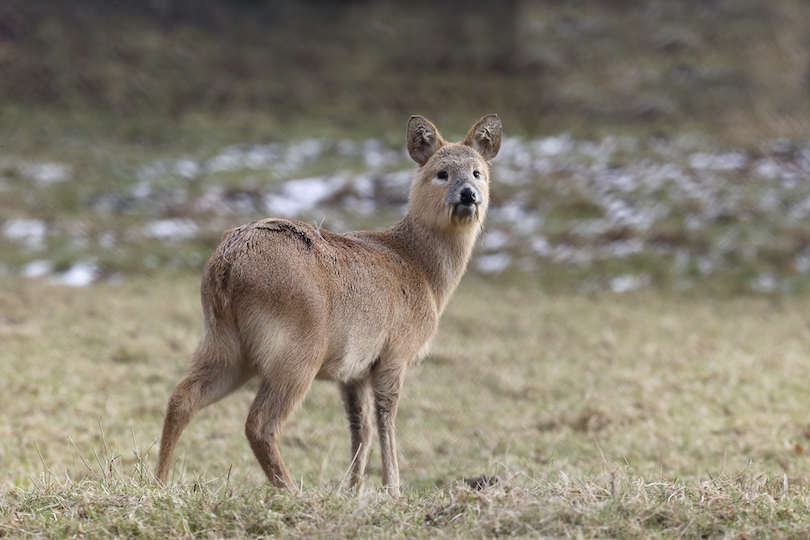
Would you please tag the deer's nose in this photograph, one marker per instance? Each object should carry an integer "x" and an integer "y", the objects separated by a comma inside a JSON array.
[{"x": 468, "y": 196}]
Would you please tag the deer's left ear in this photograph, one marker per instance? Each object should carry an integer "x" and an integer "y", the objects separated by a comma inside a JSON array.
[{"x": 485, "y": 136}]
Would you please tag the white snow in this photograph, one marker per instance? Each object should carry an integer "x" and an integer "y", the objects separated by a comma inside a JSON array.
[
  {"x": 37, "y": 269},
  {"x": 493, "y": 263},
  {"x": 30, "y": 233},
  {"x": 297, "y": 196},
  {"x": 47, "y": 173},
  {"x": 171, "y": 230},
  {"x": 80, "y": 274}
]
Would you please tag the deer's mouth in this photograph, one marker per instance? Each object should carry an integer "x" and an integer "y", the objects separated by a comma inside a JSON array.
[{"x": 464, "y": 212}]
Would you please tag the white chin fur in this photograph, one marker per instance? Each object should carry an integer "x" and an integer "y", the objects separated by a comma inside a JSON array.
[{"x": 460, "y": 212}]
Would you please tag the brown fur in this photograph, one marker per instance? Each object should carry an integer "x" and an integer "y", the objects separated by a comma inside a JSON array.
[{"x": 288, "y": 303}]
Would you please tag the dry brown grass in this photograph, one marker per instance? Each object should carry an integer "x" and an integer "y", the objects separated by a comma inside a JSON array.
[{"x": 603, "y": 416}]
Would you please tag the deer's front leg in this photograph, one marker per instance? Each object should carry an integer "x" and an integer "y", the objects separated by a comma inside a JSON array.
[
  {"x": 387, "y": 384},
  {"x": 357, "y": 400}
]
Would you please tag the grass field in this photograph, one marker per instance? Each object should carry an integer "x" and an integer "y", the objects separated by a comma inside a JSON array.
[{"x": 602, "y": 415}]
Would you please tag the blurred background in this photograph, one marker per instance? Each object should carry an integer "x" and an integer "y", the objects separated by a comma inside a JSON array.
[{"x": 650, "y": 143}]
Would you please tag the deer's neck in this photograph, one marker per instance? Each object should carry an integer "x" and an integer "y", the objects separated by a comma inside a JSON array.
[{"x": 442, "y": 255}]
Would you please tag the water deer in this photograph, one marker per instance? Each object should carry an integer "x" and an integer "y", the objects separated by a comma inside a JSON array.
[{"x": 289, "y": 303}]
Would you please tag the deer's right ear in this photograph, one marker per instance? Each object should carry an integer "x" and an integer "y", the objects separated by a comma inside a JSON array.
[{"x": 423, "y": 139}]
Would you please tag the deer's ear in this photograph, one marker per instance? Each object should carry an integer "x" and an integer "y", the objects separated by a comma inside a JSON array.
[
  {"x": 485, "y": 136},
  {"x": 423, "y": 139}
]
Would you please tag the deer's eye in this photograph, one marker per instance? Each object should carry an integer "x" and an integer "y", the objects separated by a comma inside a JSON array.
[
  {"x": 476, "y": 174},
  {"x": 442, "y": 175}
]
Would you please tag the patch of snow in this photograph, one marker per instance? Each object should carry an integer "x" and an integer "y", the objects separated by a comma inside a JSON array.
[
  {"x": 297, "y": 196},
  {"x": 230, "y": 159},
  {"x": 397, "y": 181},
  {"x": 591, "y": 227},
  {"x": 347, "y": 147},
  {"x": 261, "y": 156},
  {"x": 513, "y": 213},
  {"x": 297, "y": 154},
  {"x": 80, "y": 274},
  {"x": 705, "y": 265},
  {"x": 766, "y": 282},
  {"x": 171, "y": 230},
  {"x": 108, "y": 240},
  {"x": 37, "y": 269},
  {"x": 376, "y": 155},
  {"x": 628, "y": 282},
  {"x": 47, "y": 173},
  {"x": 718, "y": 162},
  {"x": 802, "y": 262},
  {"x": 767, "y": 168},
  {"x": 218, "y": 201},
  {"x": 541, "y": 247},
  {"x": 801, "y": 209},
  {"x": 186, "y": 168},
  {"x": 30, "y": 233},
  {"x": 495, "y": 239},
  {"x": 364, "y": 187},
  {"x": 554, "y": 146},
  {"x": 624, "y": 248},
  {"x": 142, "y": 189},
  {"x": 363, "y": 207},
  {"x": 515, "y": 155},
  {"x": 570, "y": 254},
  {"x": 493, "y": 263}
]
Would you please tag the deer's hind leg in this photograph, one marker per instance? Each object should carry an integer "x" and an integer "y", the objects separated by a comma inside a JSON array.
[
  {"x": 285, "y": 380},
  {"x": 216, "y": 370}
]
